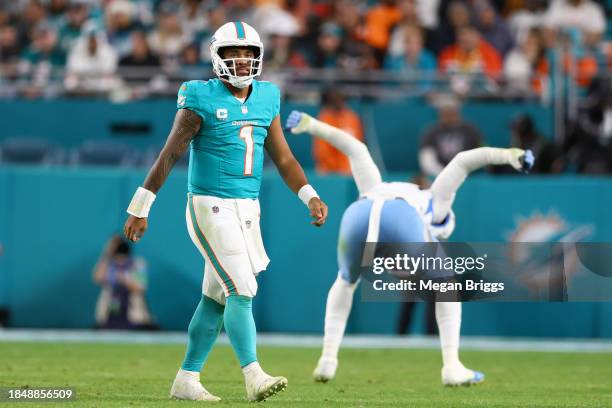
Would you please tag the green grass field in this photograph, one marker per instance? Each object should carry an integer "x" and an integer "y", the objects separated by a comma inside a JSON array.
[{"x": 134, "y": 375}]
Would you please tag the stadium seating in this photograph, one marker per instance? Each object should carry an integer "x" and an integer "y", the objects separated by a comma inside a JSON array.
[
  {"x": 30, "y": 151},
  {"x": 104, "y": 153}
]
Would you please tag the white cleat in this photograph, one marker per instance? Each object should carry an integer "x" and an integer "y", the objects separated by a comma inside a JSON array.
[
  {"x": 189, "y": 387},
  {"x": 460, "y": 376},
  {"x": 326, "y": 369},
  {"x": 263, "y": 386}
]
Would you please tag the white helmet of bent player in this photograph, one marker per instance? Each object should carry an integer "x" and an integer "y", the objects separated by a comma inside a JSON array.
[{"x": 236, "y": 34}]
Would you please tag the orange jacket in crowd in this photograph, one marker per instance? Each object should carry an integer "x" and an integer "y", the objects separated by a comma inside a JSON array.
[
  {"x": 328, "y": 159},
  {"x": 378, "y": 24},
  {"x": 483, "y": 59}
]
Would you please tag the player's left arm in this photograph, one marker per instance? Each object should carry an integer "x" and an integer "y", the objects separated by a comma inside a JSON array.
[
  {"x": 447, "y": 183},
  {"x": 293, "y": 174}
]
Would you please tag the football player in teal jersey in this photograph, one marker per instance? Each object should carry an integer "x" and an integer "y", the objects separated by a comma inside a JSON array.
[{"x": 227, "y": 122}]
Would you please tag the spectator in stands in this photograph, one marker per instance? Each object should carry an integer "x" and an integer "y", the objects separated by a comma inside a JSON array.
[
  {"x": 120, "y": 23},
  {"x": 283, "y": 53},
  {"x": 526, "y": 67},
  {"x": 356, "y": 54},
  {"x": 588, "y": 58},
  {"x": 190, "y": 59},
  {"x": 398, "y": 36},
  {"x": 44, "y": 48},
  {"x": 56, "y": 11},
  {"x": 471, "y": 54},
  {"x": 379, "y": 21},
  {"x": 9, "y": 46},
  {"x": 524, "y": 19},
  {"x": 413, "y": 58},
  {"x": 91, "y": 65},
  {"x": 216, "y": 17},
  {"x": 39, "y": 61},
  {"x": 272, "y": 18},
  {"x": 427, "y": 13},
  {"x": 587, "y": 145},
  {"x": 449, "y": 136},
  {"x": 193, "y": 17},
  {"x": 123, "y": 278},
  {"x": 348, "y": 16},
  {"x": 337, "y": 113},
  {"x": 493, "y": 28},
  {"x": 140, "y": 54},
  {"x": 242, "y": 10},
  {"x": 168, "y": 39},
  {"x": 458, "y": 17},
  {"x": 31, "y": 18},
  {"x": 71, "y": 29},
  {"x": 583, "y": 15},
  {"x": 329, "y": 43}
]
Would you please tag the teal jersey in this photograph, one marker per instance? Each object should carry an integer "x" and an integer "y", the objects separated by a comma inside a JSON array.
[{"x": 226, "y": 156}]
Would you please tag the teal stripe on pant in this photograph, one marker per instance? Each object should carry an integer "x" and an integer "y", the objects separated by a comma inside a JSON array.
[
  {"x": 240, "y": 328},
  {"x": 203, "y": 330}
]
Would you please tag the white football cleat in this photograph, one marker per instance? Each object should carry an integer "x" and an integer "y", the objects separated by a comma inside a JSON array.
[
  {"x": 188, "y": 387},
  {"x": 458, "y": 375},
  {"x": 326, "y": 369},
  {"x": 263, "y": 386}
]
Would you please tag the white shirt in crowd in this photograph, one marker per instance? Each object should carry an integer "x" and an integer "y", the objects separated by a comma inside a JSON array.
[{"x": 586, "y": 16}]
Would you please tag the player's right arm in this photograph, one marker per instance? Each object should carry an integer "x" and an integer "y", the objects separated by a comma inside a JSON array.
[
  {"x": 364, "y": 170},
  {"x": 186, "y": 125}
]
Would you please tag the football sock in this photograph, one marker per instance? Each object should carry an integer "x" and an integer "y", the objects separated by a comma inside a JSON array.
[
  {"x": 240, "y": 328},
  {"x": 365, "y": 172},
  {"x": 448, "y": 316},
  {"x": 339, "y": 304},
  {"x": 203, "y": 331}
]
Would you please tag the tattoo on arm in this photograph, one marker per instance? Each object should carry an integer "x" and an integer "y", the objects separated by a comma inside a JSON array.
[{"x": 186, "y": 125}]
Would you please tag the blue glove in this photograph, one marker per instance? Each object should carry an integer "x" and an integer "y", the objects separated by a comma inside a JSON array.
[
  {"x": 527, "y": 161},
  {"x": 293, "y": 120}
]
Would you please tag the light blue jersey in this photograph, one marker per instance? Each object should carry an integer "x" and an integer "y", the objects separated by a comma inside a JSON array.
[{"x": 226, "y": 156}]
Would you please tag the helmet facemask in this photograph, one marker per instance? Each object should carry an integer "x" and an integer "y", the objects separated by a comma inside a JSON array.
[{"x": 225, "y": 68}]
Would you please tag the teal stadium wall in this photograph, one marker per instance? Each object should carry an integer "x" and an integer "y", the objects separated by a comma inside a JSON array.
[
  {"x": 397, "y": 125},
  {"x": 54, "y": 223}
]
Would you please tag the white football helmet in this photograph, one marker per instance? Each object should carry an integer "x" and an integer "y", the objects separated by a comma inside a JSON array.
[{"x": 236, "y": 34}]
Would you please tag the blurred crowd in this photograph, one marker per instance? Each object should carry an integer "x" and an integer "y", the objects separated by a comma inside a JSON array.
[
  {"x": 131, "y": 48},
  {"x": 505, "y": 41}
]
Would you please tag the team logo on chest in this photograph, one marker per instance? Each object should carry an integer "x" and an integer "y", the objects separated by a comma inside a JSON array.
[{"x": 221, "y": 113}]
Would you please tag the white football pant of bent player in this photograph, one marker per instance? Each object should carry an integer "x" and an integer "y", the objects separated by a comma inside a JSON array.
[{"x": 440, "y": 222}]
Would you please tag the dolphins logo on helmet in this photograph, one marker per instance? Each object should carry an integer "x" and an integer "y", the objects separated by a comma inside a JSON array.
[{"x": 236, "y": 34}]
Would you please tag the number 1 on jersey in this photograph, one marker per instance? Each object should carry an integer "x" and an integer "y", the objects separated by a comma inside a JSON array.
[{"x": 246, "y": 134}]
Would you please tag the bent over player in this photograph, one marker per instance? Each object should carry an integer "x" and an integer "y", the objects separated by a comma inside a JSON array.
[
  {"x": 227, "y": 122},
  {"x": 396, "y": 213}
]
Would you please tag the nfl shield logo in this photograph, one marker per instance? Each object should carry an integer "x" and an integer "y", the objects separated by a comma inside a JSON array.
[
  {"x": 248, "y": 223},
  {"x": 215, "y": 209},
  {"x": 245, "y": 109}
]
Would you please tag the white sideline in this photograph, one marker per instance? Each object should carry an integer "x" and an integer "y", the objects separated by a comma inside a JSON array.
[{"x": 307, "y": 340}]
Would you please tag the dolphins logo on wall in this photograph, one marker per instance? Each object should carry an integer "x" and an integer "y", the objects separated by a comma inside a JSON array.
[{"x": 541, "y": 244}]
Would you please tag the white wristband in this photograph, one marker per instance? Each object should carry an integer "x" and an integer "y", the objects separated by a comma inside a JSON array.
[
  {"x": 306, "y": 193},
  {"x": 141, "y": 203}
]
